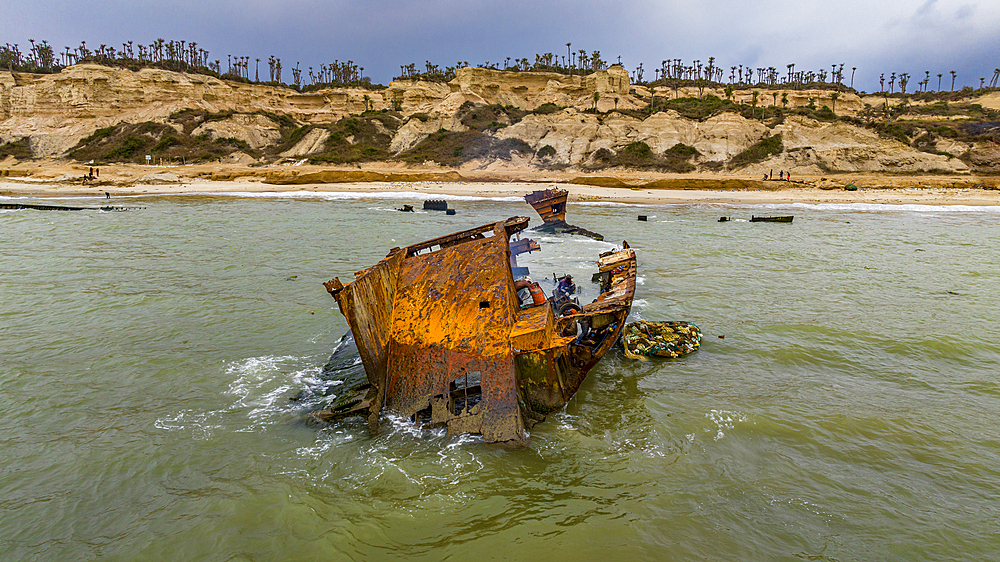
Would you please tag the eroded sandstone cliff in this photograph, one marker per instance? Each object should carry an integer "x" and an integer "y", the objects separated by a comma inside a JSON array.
[{"x": 588, "y": 118}]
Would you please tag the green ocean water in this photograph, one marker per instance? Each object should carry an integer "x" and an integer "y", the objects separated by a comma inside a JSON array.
[{"x": 148, "y": 359}]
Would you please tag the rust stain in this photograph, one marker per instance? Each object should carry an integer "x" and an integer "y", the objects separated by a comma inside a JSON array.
[{"x": 445, "y": 340}]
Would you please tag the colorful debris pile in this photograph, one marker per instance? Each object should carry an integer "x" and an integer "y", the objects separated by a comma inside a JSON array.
[{"x": 661, "y": 339}]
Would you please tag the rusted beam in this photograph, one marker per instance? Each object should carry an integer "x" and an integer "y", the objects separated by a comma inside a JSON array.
[{"x": 511, "y": 225}]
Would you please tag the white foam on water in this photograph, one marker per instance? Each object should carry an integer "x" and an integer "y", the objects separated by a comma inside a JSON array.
[
  {"x": 725, "y": 420},
  {"x": 259, "y": 388},
  {"x": 21, "y": 198},
  {"x": 609, "y": 204},
  {"x": 341, "y": 195},
  {"x": 202, "y": 424},
  {"x": 869, "y": 207},
  {"x": 414, "y": 461}
]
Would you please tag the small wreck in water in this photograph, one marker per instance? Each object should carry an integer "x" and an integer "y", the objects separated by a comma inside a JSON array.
[
  {"x": 446, "y": 340},
  {"x": 550, "y": 204}
]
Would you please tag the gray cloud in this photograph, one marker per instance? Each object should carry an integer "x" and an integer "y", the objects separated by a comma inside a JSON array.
[{"x": 888, "y": 36}]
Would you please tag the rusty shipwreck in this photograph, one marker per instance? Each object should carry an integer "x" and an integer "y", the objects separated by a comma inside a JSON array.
[
  {"x": 550, "y": 204},
  {"x": 446, "y": 340}
]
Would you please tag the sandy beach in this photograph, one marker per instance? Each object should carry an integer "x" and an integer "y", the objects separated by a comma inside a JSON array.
[{"x": 65, "y": 180}]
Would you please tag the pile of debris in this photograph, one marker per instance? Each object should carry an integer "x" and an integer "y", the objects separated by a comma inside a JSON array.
[{"x": 660, "y": 339}]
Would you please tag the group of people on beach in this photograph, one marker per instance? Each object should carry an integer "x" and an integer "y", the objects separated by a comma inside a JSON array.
[
  {"x": 782, "y": 175},
  {"x": 92, "y": 175}
]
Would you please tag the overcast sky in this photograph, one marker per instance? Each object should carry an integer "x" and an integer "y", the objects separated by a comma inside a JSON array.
[{"x": 875, "y": 36}]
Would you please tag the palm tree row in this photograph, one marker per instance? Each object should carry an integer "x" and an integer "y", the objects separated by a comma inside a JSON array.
[
  {"x": 573, "y": 63},
  {"x": 41, "y": 57},
  {"x": 181, "y": 56},
  {"x": 675, "y": 73},
  {"x": 924, "y": 85},
  {"x": 337, "y": 73}
]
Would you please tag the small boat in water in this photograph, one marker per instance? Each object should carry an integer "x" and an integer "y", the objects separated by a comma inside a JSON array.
[
  {"x": 446, "y": 340},
  {"x": 785, "y": 218}
]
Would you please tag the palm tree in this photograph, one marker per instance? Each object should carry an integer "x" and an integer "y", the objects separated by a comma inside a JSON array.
[
  {"x": 753, "y": 103},
  {"x": 833, "y": 100},
  {"x": 853, "y": 68},
  {"x": 952, "y": 80},
  {"x": 939, "y": 82},
  {"x": 597, "y": 96},
  {"x": 784, "y": 100},
  {"x": 996, "y": 76},
  {"x": 569, "y": 55}
]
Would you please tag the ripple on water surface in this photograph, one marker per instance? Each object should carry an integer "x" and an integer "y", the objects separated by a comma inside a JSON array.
[{"x": 150, "y": 360}]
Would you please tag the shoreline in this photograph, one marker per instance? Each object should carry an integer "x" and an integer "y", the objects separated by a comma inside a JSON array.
[
  {"x": 61, "y": 179},
  {"x": 578, "y": 193}
]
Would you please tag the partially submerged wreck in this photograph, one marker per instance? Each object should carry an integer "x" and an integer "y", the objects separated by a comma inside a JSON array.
[
  {"x": 550, "y": 204},
  {"x": 785, "y": 218},
  {"x": 446, "y": 341}
]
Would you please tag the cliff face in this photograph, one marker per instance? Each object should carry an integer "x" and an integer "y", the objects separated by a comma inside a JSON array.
[
  {"x": 576, "y": 136},
  {"x": 523, "y": 90},
  {"x": 528, "y": 90},
  {"x": 846, "y": 103},
  {"x": 88, "y": 91},
  {"x": 809, "y": 146},
  {"x": 55, "y": 111}
]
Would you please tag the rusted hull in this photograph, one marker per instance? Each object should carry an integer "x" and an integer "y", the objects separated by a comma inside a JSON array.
[
  {"x": 550, "y": 204},
  {"x": 550, "y": 377},
  {"x": 444, "y": 339}
]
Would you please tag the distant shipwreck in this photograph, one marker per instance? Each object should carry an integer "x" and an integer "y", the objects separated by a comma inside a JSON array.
[
  {"x": 550, "y": 204},
  {"x": 450, "y": 337}
]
